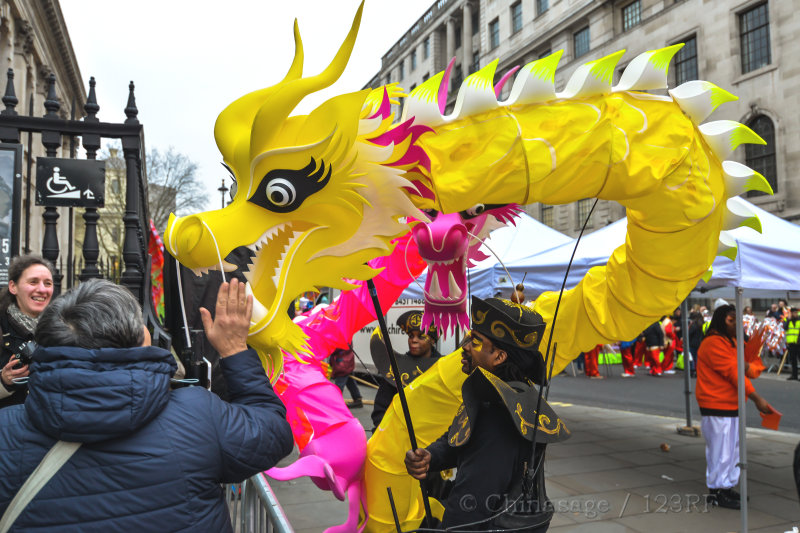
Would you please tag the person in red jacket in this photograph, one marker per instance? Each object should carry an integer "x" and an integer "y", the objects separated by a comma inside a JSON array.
[{"x": 716, "y": 392}]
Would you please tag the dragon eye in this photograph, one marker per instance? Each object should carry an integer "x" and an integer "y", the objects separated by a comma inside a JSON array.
[
  {"x": 475, "y": 210},
  {"x": 233, "y": 180},
  {"x": 281, "y": 192},
  {"x": 432, "y": 213}
]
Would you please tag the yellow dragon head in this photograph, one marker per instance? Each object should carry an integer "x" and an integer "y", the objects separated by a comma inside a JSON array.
[{"x": 316, "y": 195}]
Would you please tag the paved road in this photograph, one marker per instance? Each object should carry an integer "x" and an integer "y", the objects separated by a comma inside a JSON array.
[{"x": 665, "y": 395}]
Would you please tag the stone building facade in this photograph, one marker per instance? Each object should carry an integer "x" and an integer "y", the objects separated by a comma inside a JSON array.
[
  {"x": 34, "y": 42},
  {"x": 742, "y": 46}
]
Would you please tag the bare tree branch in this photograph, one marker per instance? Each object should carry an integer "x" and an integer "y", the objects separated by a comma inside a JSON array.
[{"x": 173, "y": 186}]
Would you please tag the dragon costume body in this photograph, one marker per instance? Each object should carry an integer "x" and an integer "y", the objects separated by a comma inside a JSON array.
[{"x": 320, "y": 195}]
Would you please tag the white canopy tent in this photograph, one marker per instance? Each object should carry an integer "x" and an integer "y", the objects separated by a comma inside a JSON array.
[
  {"x": 544, "y": 271},
  {"x": 766, "y": 263}
]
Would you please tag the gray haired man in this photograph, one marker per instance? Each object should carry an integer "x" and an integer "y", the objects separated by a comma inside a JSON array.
[{"x": 151, "y": 459}]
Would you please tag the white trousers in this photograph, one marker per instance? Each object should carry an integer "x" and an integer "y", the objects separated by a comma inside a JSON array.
[{"x": 722, "y": 451}]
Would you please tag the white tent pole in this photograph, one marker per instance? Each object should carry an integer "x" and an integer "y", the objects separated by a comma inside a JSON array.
[{"x": 742, "y": 405}]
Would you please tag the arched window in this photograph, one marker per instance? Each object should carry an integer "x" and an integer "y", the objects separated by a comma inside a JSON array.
[{"x": 761, "y": 158}]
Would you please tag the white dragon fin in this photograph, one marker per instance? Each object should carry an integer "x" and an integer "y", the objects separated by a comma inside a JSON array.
[
  {"x": 724, "y": 136},
  {"x": 737, "y": 215},
  {"x": 535, "y": 82},
  {"x": 592, "y": 78},
  {"x": 727, "y": 246},
  {"x": 476, "y": 94},
  {"x": 648, "y": 70},
  {"x": 424, "y": 101},
  {"x": 740, "y": 178},
  {"x": 699, "y": 99}
]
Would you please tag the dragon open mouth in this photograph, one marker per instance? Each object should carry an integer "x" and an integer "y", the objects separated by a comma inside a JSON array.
[
  {"x": 442, "y": 275},
  {"x": 274, "y": 251}
]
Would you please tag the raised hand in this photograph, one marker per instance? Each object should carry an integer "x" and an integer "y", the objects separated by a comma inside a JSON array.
[{"x": 227, "y": 332}]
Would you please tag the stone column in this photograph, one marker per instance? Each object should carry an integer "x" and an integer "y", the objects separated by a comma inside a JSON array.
[
  {"x": 466, "y": 41},
  {"x": 451, "y": 39}
]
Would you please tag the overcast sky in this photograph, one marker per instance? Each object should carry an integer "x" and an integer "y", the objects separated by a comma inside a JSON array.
[{"x": 190, "y": 59}]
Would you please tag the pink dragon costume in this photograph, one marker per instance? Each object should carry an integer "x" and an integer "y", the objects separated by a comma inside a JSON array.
[{"x": 320, "y": 195}]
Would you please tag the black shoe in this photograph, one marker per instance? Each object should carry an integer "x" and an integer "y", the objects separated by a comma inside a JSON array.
[
  {"x": 727, "y": 498},
  {"x": 791, "y": 378},
  {"x": 356, "y": 403}
]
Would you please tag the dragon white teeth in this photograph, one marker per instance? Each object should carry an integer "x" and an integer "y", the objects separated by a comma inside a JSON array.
[
  {"x": 435, "y": 290},
  {"x": 454, "y": 291}
]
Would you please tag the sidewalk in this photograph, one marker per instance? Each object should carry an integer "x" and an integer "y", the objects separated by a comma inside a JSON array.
[{"x": 611, "y": 476}]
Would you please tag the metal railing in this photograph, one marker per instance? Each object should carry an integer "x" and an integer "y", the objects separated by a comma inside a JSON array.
[{"x": 254, "y": 508}]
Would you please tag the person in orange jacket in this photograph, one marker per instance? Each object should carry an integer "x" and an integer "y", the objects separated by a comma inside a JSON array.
[{"x": 716, "y": 392}]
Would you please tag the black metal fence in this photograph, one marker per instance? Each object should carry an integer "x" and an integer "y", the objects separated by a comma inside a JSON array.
[{"x": 133, "y": 271}]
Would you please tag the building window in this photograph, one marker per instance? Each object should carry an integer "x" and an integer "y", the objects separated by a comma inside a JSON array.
[
  {"x": 761, "y": 158},
  {"x": 402, "y": 68},
  {"x": 754, "y": 28},
  {"x": 516, "y": 17},
  {"x": 413, "y": 60},
  {"x": 476, "y": 20},
  {"x": 494, "y": 34},
  {"x": 584, "y": 207},
  {"x": 458, "y": 36},
  {"x": 476, "y": 61},
  {"x": 580, "y": 41},
  {"x": 542, "y": 6},
  {"x": 426, "y": 48},
  {"x": 547, "y": 215},
  {"x": 458, "y": 77},
  {"x": 631, "y": 15},
  {"x": 425, "y": 76},
  {"x": 544, "y": 53},
  {"x": 686, "y": 61}
]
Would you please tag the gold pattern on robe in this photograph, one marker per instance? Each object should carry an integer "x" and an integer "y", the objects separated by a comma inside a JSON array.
[
  {"x": 544, "y": 424},
  {"x": 463, "y": 433}
]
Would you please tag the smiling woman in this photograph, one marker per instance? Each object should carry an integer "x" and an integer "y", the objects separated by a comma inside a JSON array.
[{"x": 30, "y": 289}]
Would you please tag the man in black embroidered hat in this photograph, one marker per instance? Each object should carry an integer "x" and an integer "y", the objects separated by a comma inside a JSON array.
[
  {"x": 420, "y": 356},
  {"x": 500, "y": 480}
]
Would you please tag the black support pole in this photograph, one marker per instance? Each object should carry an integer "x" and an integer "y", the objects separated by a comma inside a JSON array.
[
  {"x": 52, "y": 141},
  {"x": 91, "y": 141},
  {"x": 131, "y": 252},
  {"x": 400, "y": 392}
]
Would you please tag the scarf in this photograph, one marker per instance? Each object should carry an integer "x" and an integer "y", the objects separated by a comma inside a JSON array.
[{"x": 26, "y": 322}]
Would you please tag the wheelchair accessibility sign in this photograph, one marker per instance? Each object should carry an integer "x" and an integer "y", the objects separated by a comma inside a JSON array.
[{"x": 70, "y": 182}]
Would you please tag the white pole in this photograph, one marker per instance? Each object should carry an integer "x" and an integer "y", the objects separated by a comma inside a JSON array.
[{"x": 742, "y": 405}]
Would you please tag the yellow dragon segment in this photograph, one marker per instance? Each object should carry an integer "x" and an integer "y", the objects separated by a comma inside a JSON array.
[{"x": 592, "y": 140}]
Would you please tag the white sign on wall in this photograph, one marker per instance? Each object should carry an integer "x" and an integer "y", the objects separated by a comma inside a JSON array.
[{"x": 398, "y": 338}]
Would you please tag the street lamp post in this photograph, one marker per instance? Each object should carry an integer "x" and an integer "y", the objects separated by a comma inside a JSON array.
[{"x": 222, "y": 190}]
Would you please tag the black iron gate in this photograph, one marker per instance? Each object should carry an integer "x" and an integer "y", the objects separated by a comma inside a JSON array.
[{"x": 53, "y": 130}]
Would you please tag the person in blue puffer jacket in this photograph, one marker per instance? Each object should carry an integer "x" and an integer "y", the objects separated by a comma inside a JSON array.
[{"x": 151, "y": 459}]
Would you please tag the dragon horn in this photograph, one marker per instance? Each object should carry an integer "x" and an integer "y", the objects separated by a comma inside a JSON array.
[
  {"x": 274, "y": 111},
  {"x": 296, "y": 70},
  {"x": 236, "y": 119}
]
